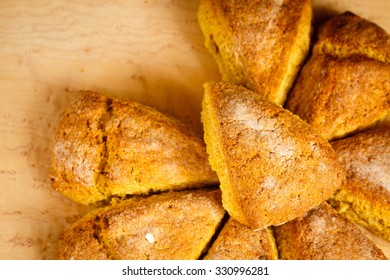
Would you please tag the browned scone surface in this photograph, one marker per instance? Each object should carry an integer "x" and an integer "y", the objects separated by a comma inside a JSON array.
[
  {"x": 258, "y": 44},
  {"x": 323, "y": 234},
  {"x": 365, "y": 198},
  {"x": 173, "y": 225},
  {"x": 113, "y": 147},
  {"x": 273, "y": 167},
  {"x": 339, "y": 95},
  {"x": 344, "y": 86},
  {"x": 350, "y": 35},
  {"x": 238, "y": 242}
]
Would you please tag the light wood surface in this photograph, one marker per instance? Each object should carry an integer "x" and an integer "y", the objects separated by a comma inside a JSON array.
[{"x": 151, "y": 51}]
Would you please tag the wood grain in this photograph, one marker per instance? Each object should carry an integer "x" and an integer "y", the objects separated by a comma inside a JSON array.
[{"x": 151, "y": 51}]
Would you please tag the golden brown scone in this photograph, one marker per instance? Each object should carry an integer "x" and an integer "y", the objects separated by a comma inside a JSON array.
[
  {"x": 338, "y": 96},
  {"x": 272, "y": 166},
  {"x": 344, "y": 86},
  {"x": 323, "y": 234},
  {"x": 238, "y": 242},
  {"x": 166, "y": 226},
  {"x": 365, "y": 198},
  {"x": 113, "y": 147},
  {"x": 258, "y": 44},
  {"x": 350, "y": 35}
]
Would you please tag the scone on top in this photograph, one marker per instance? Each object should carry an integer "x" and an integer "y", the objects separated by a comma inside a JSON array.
[
  {"x": 107, "y": 147},
  {"x": 272, "y": 166},
  {"x": 166, "y": 226},
  {"x": 238, "y": 242},
  {"x": 323, "y": 234},
  {"x": 258, "y": 44},
  {"x": 365, "y": 198},
  {"x": 344, "y": 86},
  {"x": 351, "y": 35}
]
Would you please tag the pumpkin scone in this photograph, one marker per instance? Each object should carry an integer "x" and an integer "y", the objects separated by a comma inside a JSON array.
[
  {"x": 344, "y": 86},
  {"x": 166, "y": 226},
  {"x": 107, "y": 147},
  {"x": 238, "y": 242},
  {"x": 365, "y": 198},
  {"x": 272, "y": 166},
  {"x": 323, "y": 234},
  {"x": 258, "y": 44}
]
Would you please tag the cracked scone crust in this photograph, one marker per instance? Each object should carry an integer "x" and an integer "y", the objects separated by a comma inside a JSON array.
[
  {"x": 273, "y": 167},
  {"x": 114, "y": 147},
  {"x": 344, "y": 86},
  {"x": 365, "y": 198},
  {"x": 238, "y": 242},
  {"x": 172, "y": 225},
  {"x": 323, "y": 234},
  {"x": 258, "y": 44}
]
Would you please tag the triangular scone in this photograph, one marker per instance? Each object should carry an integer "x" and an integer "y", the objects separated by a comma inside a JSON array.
[
  {"x": 238, "y": 242},
  {"x": 365, "y": 198},
  {"x": 272, "y": 166},
  {"x": 114, "y": 147},
  {"x": 344, "y": 86},
  {"x": 166, "y": 226},
  {"x": 323, "y": 234},
  {"x": 258, "y": 44},
  {"x": 350, "y": 35}
]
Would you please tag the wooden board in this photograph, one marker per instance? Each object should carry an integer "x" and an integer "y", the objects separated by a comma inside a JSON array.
[{"x": 151, "y": 51}]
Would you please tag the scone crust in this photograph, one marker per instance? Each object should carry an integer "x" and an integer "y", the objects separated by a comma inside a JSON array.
[
  {"x": 277, "y": 166},
  {"x": 167, "y": 226},
  {"x": 258, "y": 44},
  {"x": 365, "y": 198},
  {"x": 238, "y": 242},
  {"x": 323, "y": 234}
]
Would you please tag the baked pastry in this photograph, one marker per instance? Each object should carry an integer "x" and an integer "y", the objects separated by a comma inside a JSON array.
[
  {"x": 344, "y": 87},
  {"x": 238, "y": 242},
  {"x": 272, "y": 166},
  {"x": 365, "y": 198},
  {"x": 114, "y": 147},
  {"x": 323, "y": 234},
  {"x": 166, "y": 226},
  {"x": 258, "y": 44}
]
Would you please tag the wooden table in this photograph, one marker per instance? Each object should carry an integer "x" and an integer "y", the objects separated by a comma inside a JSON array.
[{"x": 151, "y": 51}]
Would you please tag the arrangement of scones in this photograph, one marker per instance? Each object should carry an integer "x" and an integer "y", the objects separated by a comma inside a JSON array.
[{"x": 295, "y": 153}]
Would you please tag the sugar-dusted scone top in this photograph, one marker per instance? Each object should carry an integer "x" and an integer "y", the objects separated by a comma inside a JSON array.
[
  {"x": 350, "y": 35},
  {"x": 272, "y": 166},
  {"x": 238, "y": 242},
  {"x": 172, "y": 225},
  {"x": 338, "y": 96},
  {"x": 114, "y": 147},
  {"x": 365, "y": 198},
  {"x": 323, "y": 234},
  {"x": 344, "y": 86},
  {"x": 259, "y": 44}
]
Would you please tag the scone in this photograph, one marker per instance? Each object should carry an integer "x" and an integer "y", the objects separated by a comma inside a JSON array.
[
  {"x": 344, "y": 87},
  {"x": 323, "y": 234},
  {"x": 259, "y": 44},
  {"x": 166, "y": 226},
  {"x": 238, "y": 242},
  {"x": 365, "y": 198},
  {"x": 115, "y": 147},
  {"x": 272, "y": 166}
]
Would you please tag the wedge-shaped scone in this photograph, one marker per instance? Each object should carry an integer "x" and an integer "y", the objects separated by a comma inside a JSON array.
[
  {"x": 166, "y": 226},
  {"x": 323, "y": 234},
  {"x": 338, "y": 36},
  {"x": 365, "y": 198},
  {"x": 344, "y": 87},
  {"x": 238, "y": 242},
  {"x": 272, "y": 166},
  {"x": 259, "y": 44},
  {"x": 114, "y": 147}
]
